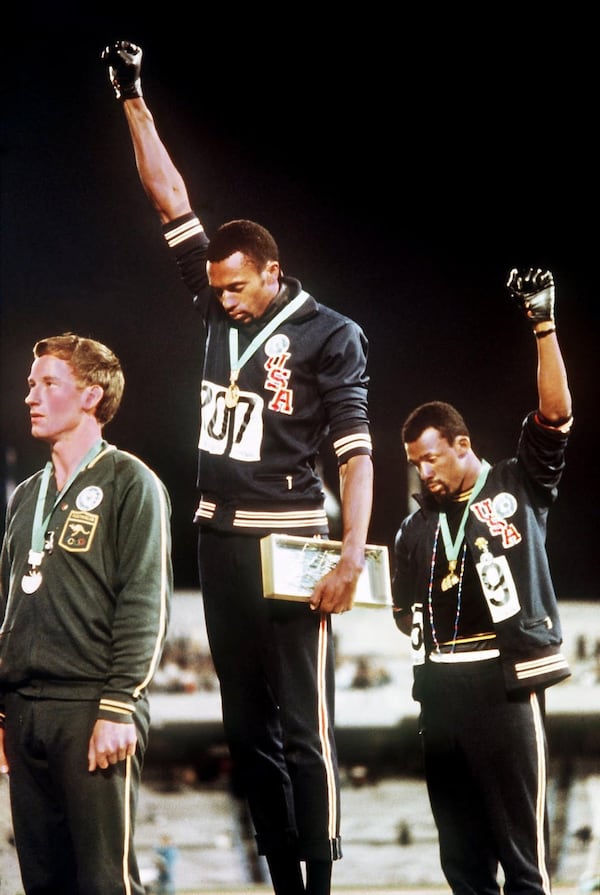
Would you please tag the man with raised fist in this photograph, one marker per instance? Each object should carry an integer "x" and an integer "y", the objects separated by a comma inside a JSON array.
[
  {"x": 472, "y": 587},
  {"x": 282, "y": 373}
]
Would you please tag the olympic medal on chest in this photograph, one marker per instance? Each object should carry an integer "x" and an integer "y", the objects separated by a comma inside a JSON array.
[
  {"x": 232, "y": 395},
  {"x": 31, "y": 581}
]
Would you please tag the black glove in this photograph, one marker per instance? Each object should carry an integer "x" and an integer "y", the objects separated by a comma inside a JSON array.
[
  {"x": 533, "y": 291},
  {"x": 124, "y": 61}
]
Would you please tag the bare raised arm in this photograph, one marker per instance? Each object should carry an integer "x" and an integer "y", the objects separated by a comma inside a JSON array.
[
  {"x": 553, "y": 389},
  {"x": 336, "y": 591},
  {"x": 533, "y": 291},
  {"x": 160, "y": 179}
]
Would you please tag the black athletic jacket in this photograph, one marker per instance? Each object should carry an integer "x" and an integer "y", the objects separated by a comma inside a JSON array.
[
  {"x": 306, "y": 382},
  {"x": 506, "y": 528}
]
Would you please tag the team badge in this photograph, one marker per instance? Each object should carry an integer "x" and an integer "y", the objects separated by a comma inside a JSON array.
[
  {"x": 78, "y": 532},
  {"x": 504, "y": 505},
  {"x": 89, "y": 498},
  {"x": 494, "y": 514},
  {"x": 278, "y": 375},
  {"x": 497, "y": 583},
  {"x": 277, "y": 344}
]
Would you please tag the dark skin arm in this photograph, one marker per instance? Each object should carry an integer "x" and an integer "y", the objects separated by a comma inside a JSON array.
[
  {"x": 4, "y": 766},
  {"x": 553, "y": 389},
  {"x": 166, "y": 190},
  {"x": 335, "y": 592},
  {"x": 533, "y": 291},
  {"x": 162, "y": 182}
]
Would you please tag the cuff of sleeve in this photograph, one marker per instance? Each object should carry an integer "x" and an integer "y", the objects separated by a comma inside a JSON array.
[
  {"x": 115, "y": 710},
  {"x": 561, "y": 425},
  {"x": 182, "y": 229},
  {"x": 352, "y": 445}
]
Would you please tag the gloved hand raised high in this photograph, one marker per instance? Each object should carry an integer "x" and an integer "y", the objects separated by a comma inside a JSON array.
[
  {"x": 533, "y": 291},
  {"x": 124, "y": 61}
]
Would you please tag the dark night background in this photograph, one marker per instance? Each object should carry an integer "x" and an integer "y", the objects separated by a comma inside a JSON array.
[{"x": 404, "y": 167}]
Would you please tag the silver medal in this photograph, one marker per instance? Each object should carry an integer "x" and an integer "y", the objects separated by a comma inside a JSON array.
[
  {"x": 31, "y": 581},
  {"x": 33, "y": 578}
]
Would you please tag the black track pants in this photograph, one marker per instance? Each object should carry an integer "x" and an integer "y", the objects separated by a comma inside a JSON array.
[
  {"x": 275, "y": 663},
  {"x": 485, "y": 763}
]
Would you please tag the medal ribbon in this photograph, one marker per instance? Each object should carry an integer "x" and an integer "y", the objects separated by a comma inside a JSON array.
[
  {"x": 236, "y": 363},
  {"x": 40, "y": 524},
  {"x": 453, "y": 547}
]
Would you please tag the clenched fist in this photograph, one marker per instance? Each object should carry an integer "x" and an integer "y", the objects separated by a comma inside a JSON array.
[
  {"x": 124, "y": 61},
  {"x": 533, "y": 291}
]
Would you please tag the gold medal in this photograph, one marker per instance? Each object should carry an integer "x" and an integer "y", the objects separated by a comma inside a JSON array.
[
  {"x": 232, "y": 395},
  {"x": 451, "y": 579}
]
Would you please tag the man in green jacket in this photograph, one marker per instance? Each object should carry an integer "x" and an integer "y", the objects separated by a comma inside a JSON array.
[{"x": 86, "y": 583}]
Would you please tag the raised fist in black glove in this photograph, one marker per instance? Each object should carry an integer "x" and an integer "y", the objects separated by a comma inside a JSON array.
[
  {"x": 533, "y": 291},
  {"x": 124, "y": 61}
]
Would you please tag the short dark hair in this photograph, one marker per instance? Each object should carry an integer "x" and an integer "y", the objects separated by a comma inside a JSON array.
[
  {"x": 93, "y": 364},
  {"x": 247, "y": 237},
  {"x": 436, "y": 415}
]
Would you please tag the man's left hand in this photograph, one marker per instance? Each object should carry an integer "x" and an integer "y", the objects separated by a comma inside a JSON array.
[
  {"x": 533, "y": 291},
  {"x": 110, "y": 742}
]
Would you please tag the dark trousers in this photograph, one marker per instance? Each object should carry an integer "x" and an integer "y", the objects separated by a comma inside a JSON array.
[
  {"x": 73, "y": 829},
  {"x": 485, "y": 763},
  {"x": 275, "y": 663}
]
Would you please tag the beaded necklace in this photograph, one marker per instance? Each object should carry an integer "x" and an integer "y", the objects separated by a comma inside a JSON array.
[
  {"x": 458, "y": 596},
  {"x": 452, "y": 549}
]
